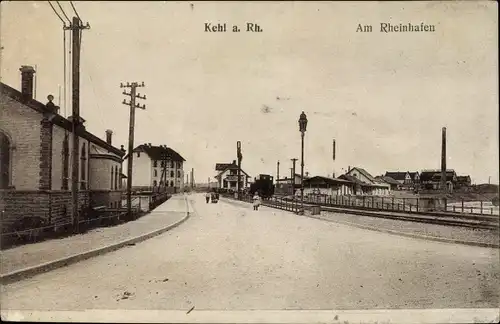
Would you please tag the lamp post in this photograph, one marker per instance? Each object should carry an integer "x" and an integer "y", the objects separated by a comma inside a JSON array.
[{"x": 302, "y": 128}]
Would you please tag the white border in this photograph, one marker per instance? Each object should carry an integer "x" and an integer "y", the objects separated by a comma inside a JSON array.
[{"x": 467, "y": 315}]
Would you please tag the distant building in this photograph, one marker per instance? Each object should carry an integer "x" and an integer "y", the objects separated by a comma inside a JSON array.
[
  {"x": 157, "y": 167},
  {"x": 365, "y": 183},
  {"x": 431, "y": 179},
  {"x": 227, "y": 176},
  {"x": 407, "y": 180},
  {"x": 394, "y": 184},
  {"x": 319, "y": 185},
  {"x": 36, "y": 165},
  {"x": 284, "y": 185}
]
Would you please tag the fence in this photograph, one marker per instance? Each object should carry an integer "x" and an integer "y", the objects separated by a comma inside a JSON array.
[
  {"x": 404, "y": 204},
  {"x": 33, "y": 229}
]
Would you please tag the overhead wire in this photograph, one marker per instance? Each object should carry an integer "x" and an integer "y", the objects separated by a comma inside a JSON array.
[
  {"x": 58, "y": 15},
  {"x": 76, "y": 12},
  {"x": 64, "y": 13}
]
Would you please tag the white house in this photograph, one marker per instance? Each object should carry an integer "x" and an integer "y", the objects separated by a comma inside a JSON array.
[
  {"x": 227, "y": 176},
  {"x": 157, "y": 166}
]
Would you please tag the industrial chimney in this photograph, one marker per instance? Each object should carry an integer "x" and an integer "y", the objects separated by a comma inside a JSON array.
[
  {"x": 27, "y": 73},
  {"x": 109, "y": 134},
  {"x": 443, "y": 160}
]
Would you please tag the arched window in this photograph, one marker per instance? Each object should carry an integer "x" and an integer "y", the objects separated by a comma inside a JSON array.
[
  {"x": 171, "y": 183},
  {"x": 83, "y": 166},
  {"x": 112, "y": 174},
  {"x": 5, "y": 147},
  {"x": 155, "y": 183}
]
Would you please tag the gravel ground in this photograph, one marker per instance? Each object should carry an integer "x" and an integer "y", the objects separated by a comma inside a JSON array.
[
  {"x": 229, "y": 257},
  {"x": 441, "y": 231},
  {"x": 34, "y": 254}
]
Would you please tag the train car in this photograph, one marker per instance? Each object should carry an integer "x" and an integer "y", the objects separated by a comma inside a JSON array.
[{"x": 263, "y": 184}]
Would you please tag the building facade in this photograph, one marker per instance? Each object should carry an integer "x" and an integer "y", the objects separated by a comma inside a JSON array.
[
  {"x": 36, "y": 154},
  {"x": 407, "y": 180},
  {"x": 365, "y": 183},
  {"x": 431, "y": 179},
  {"x": 227, "y": 176},
  {"x": 157, "y": 167}
]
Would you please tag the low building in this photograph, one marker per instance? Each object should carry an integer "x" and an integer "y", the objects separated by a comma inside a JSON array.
[
  {"x": 284, "y": 185},
  {"x": 463, "y": 182},
  {"x": 407, "y": 180},
  {"x": 157, "y": 167},
  {"x": 227, "y": 176},
  {"x": 431, "y": 179},
  {"x": 394, "y": 184},
  {"x": 319, "y": 185},
  {"x": 365, "y": 183},
  {"x": 35, "y": 155}
]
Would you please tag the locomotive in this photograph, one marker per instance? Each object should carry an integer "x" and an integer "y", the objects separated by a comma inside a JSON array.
[{"x": 263, "y": 184}]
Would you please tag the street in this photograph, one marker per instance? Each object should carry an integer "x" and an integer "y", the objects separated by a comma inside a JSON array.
[{"x": 228, "y": 257}]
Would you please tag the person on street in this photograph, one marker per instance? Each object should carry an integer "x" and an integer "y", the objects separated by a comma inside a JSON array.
[
  {"x": 207, "y": 197},
  {"x": 256, "y": 201}
]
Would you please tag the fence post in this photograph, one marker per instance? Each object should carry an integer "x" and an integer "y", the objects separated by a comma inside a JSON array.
[
  {"x": 462, "y": 205},
  {"x": 417, "y": 204},
  {"x": 392, "y": 203},
  {"x": 404, "y": 204},
  {"x": 453, "y": 208},
  {"x": 363, "y": 201},
  {"x": 481, "y": 207},
  {"x": 382, "y": 202},
  {"x": 373, "y": 198}
]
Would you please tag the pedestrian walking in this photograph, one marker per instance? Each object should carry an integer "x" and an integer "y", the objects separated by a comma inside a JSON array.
[
  {"x": 256, "y": 201},
  {"x": 207, "y": 197}
]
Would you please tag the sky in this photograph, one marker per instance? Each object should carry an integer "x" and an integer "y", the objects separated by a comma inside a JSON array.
[{"x": 383, "y": 97}]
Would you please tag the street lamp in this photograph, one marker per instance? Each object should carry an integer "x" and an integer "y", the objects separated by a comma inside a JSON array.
[{"x": 302, "y": 128}]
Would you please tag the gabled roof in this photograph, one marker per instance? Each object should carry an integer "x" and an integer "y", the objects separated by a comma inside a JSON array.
[
  {"x": 363, "y": 172},
  {"x": 58, "y": 120},
  {"x": 435, "y": 175},
  {"x": 396, "y": 175},
  {"x": 159, "y": 152},
  {"x": 413, "y": 175},
  {"x": 224, "y": 166}
]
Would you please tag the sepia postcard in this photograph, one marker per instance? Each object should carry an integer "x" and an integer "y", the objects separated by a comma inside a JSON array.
[{"x": 249, "y": 162}]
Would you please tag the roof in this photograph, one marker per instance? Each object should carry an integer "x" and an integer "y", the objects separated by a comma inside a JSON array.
[
  {"x": 435, "y": 175},
  {"x": 363, "y": 172},
  {"x": 224, "y": 166},
  {"x": 325, "y": 180},
  {"x": 388, "y": 180},
  {"x": 413, "y": 175},
  {"x": 159, "y": 152},
  {"x": 355, "y": 180},
  {"x": 396, "y": 175},
  {"x": 58, "y": 120}
]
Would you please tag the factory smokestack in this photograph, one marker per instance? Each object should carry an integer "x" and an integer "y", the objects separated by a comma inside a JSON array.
[{"x": 443, "y": 160}]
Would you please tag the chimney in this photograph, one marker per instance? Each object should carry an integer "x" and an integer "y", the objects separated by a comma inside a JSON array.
[
  {"x": 109, "y": 134},
  {"x": 27, "y": 73},
  {"x": 348, "y": 168},
  {"x": 443, "y": 159},
  {"x": 122, "y": 149},
  {"x": 50, "y": 105},
  {"x": 234, "y": 161}
]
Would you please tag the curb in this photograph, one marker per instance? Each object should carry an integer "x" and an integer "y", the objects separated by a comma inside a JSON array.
[
  {"x": 410, "y": 235},
  {"x": 59, "y": 263}
]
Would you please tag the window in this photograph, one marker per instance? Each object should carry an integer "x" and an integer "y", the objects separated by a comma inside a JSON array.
[
  {"x": 155, "y": 183},
  {"x": 155, "y": 163},
  {"x": 120, "y": 182},
  {"x": 112, "y": 173},
  {"x": 172, "y": 164},
  {"x": 5, "y": 148},
  {"x": 116, "y": 177},
  {"x": 171, "y": 174},
  {"x": 178, "y": 173},
  {"x": 155, "y": 173},
  {"x": 162, "y": 164},
  {"x": 83, "y": 166},
  {"x": 171, "y": 183}
]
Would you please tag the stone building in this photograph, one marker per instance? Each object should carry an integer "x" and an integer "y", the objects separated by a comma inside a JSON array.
[{"x": 35, "y": 155}]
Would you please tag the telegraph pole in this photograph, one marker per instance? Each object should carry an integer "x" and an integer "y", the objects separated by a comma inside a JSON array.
[
  {"x": 293, "y": 175},
  {"x": 133, "y": 95},
  {"x": 277, "y": 174},
  {"x": 443, "y": 161},
  {"x": 76, "y": 29},
  {"x": 240, "y": 157},
  {"x": 333, "y": 156}
]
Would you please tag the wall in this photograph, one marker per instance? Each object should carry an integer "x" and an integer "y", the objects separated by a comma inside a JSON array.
[
  {"x": 141, "y": 170},
  {"x": 22, "y": 125},
  {"x": 53, "y": 206}
]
